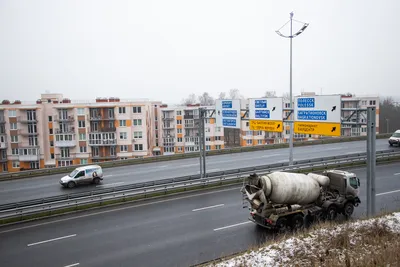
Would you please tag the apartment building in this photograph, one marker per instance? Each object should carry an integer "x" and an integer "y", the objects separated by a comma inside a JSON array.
[
  {"x": 180, "y": 130},
  {"x": 56, "y": 131}
]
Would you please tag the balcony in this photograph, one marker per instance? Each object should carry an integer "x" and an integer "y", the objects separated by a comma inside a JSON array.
[
  {"x": 66, "y": 156},
  {"x": 27, "y": 133},
  {"x": 2, "y": 120},
  {"x": 65, "y": 131},
  {"x": 103, "y": 130},
  {"x": 168, "y": 117},
  {"x": 64, "y": 119},
  {"x": 190, "y": 125},
  {"x": 100, "y": 118},
  {"x": 168, "y": 126},
  {"x": 24, "y": 144},
  {"x": 3, "y": 145},
  {"x": 65, "y": 143},
  {"x": 191, "y": 141},
  {"x": 29, "y": 154},
  {"x": 102, "y": 142},
  {"x": 191, "y": 116},
  {"x": 22, "y": 119}
]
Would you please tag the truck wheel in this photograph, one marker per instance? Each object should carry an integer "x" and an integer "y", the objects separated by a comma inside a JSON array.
[
  {"x": 297, "y": 222},
  {"x": 282, "y": 224},
  {"x": 348, "y": 209},
  {"x": 71, "y": 185},
  {"x": 96, "y": 180},
  {"x": 331, "y": 213}
]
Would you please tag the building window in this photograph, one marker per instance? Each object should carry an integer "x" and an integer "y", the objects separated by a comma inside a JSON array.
[
  {"x": 138, "y": 147},
  {"x": 179, "y": 112},
  {"x": 218, "y": 147},
  {"x": 179, "y": 149},
  {"x": 81, "y": 111},
  {"x": 123, "y": 135},
  {"x": 124, "y": 148},
  {"x": 12, "y": 113},
  {"x": 14, "y": 138},
  {"x": 14, "y": 151},
  {"x": 82, "y": 137},
  {"x": 122, "y": 123},
  {"x": 84, "y": 161},
  {"x": 51, "y": 143},
  {"x": 208, "y": 139},
  {"x": 249, "y": 142},
  {"x": 13, "y": 126},
  {"x": 121, "y": 110},
  {"x": 259, "y": 142},
  {"x": 179, "y": 130},
  {"x": 81, "y": 124},
  {"x": 179, "y": 122},
  {"x": 137, "y": 135},
  {"x": 218, "y": 138},
  {"x": 52, "y": 155},
  {"x": 15, "y": 164},
  {"x": 137, "y": 122},
  {"x": 208, "y": 148},
  {"x": 180, "y": 139},
  {"x": 83, "y": 149},
  {"x": 137, "y": 109},
  {"x": 247, "y": 124},
  {"x": 50, "y": 118},
  {"x": 51, "y": 131}
]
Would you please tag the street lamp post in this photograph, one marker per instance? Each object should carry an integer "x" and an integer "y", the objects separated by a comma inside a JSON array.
[{"x": 291, "y": 36}]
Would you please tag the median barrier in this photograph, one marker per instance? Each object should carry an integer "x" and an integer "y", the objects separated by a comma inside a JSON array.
[{"x": 117, "y": 163}]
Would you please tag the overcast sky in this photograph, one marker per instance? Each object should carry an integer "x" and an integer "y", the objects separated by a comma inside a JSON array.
[{"x": 165, "y": 50}]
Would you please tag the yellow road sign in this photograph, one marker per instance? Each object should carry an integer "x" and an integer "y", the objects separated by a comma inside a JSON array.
[
  {"x": 265, "y": 125},
  {"x": 319, "y": 128}
]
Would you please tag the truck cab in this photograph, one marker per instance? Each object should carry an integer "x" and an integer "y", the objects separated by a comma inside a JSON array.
[{"x": 343, "y": 182}]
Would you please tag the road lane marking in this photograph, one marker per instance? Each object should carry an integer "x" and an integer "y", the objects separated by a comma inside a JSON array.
[
  {"x": 119, "y": 209},
  {"x": 72, "y": 265},
  {"x": 105, "y": 185},
  {"x": 209, "y": 207},
  {"x": 387, "y": 193},
  {"x": 51, "y": 240},
  {"x": 397, "y": 173},
  {"x": 230, "y": 226},
  {"x": 271, "y": 155}
]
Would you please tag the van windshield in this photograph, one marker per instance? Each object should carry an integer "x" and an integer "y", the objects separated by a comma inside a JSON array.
[
  {"x": 73, "y": 173},
  {"x": 353, "y": 182},
  {"x": 396, "y": 135}
]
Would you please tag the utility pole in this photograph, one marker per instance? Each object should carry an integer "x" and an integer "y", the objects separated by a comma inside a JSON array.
[
  {"x": 291, "y": 36},
  {"x": 202, "y": 142},
  {"x": 371, "y": 160}
]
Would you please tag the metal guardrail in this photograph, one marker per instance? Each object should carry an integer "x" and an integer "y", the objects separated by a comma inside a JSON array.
[
  {"x": 162, "y": 186},
  {"x": 116, "y": 163}
]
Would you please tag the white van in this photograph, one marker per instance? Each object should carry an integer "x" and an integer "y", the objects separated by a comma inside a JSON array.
[
  {"x": 395, "y": 138},
  {"x": 83, "y": 175}
]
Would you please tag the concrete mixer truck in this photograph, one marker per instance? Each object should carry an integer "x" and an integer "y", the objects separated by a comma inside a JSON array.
[{"x": 284, "y": 200}]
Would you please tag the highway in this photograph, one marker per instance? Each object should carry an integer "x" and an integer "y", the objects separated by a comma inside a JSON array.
[
  {"x": 176, "y": 231},
  {"x": 46, "y": 186}
]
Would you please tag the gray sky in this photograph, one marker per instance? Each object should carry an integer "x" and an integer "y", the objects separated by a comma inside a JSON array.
[{"x": 165, "y": 50}]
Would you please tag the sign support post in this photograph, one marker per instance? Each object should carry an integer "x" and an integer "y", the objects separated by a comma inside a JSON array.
[{"x": 371, "y": 160}]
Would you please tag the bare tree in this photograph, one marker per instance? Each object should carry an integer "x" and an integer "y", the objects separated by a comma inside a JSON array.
[
  {"x": 222, "y": 95},
  {"x": 192, "y": 99},
  {"x": 235, "y": 94},
  {"x": 206, "y": 100},
  {"x": 270, "y": 94}
]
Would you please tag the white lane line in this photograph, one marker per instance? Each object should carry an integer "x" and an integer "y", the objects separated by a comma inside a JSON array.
[
  {"x": 113, "y": 184},
  {"x": 72, "y": 265},
  {"x": 230, "y": 226},
  {"x": 50, "y": 240},
  {"x": 164, "y": 166},
  {"x": 387, "y": 193},
  {"x": 397, "y": 173},
  {"x": 271, "y": 155},
  {"x": 209, "y": 207}
]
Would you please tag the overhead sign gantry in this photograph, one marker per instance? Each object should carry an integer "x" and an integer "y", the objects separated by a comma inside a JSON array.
[
  {"x": 319, "y": 115},
  {"x": 265, "y": 114}
]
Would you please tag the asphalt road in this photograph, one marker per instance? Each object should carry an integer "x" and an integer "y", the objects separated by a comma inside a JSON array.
[
  {"x": 178, "y": 231},
  {"x": 46, "y": 186}
]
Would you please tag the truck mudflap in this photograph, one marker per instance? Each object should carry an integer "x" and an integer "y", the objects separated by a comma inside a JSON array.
[{"x": 357, "y": 201}]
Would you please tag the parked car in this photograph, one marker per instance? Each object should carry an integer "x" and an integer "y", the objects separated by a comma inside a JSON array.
[
  {"x": 83, "y": 175},
  {"x": 395, "y": 138}
]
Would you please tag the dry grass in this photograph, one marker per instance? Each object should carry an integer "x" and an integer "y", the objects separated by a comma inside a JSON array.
[{"x": 364, "y": 243}]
